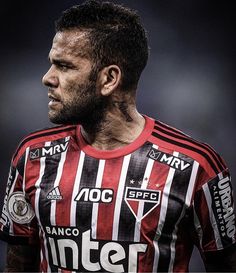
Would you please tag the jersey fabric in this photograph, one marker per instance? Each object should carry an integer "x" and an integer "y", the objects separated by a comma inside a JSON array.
[{"x": 139, "y": 208}]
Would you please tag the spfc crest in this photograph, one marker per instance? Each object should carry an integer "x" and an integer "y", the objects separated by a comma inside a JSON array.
[{"x": 142, "y": 201}]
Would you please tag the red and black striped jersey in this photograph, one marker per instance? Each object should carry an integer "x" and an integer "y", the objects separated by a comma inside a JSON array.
[{"x": 139, "y": 208}]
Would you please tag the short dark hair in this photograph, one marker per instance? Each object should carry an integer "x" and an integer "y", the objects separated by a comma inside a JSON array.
[{"x": 116, "y": 36}]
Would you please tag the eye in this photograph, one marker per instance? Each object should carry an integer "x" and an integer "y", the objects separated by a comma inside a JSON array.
[{"x": 63, "y": 67}]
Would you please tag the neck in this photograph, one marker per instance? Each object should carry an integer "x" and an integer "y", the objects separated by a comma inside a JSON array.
[{"x": 120, "y": 125}]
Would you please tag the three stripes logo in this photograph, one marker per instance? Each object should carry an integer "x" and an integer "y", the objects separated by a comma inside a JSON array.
[{"x": 54, "y": 194}]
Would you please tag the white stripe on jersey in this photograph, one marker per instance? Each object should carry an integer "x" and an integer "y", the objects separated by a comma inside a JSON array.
[
  {"x": 56, "y": 184},
  {"x": 37, "y": 194},
  {"x": 212, "y": 216},
  {"x": 96, "y": 205},
  {"x": 76, "y": 189},
  {"x": 26, "y": 158},
  {"x": 163, "y": 211},
  {"x": 188, "y": 199},
  {"x": 192, "y": 183},
  {"x": 119, "y": 196},
  {"x": 141, "y": 203}
]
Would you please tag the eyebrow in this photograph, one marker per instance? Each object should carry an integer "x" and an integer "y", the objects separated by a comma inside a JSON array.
[
  {"x": 60, "y": 61},
  {"x": 57, "y": 61}
]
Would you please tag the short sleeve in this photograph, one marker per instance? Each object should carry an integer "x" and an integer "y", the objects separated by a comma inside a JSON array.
[
  {"x": 214, "y": 216},
  {"x": 18, "y": 223}
]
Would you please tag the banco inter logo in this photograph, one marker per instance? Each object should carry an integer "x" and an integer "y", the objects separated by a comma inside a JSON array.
[
  {"x": 76, "y": 250},
  {"x": 168, "y": 159},
  {"x": 48, "y": 151}
]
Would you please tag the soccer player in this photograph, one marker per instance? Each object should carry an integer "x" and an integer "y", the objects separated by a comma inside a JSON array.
[{"x": 110, "y": 189}]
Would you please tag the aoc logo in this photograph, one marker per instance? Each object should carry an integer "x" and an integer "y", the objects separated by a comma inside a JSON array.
[
  {"x": 95, "y": 195},
  {"x": 50, "y": 150},
  {"x": 168, "y": 159}
]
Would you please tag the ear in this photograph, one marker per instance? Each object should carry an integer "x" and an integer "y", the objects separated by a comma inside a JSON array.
[{"x": 109, "y": 79}]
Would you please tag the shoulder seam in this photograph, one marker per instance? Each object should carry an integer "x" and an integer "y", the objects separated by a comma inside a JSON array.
[
  {"x": 217, "y": 164},
  {"x": 41, "y": 134},
  {"x": 190, "y": 139},
  {"x": 50, "y": 129},
  {"x": 187, "y": 147}
]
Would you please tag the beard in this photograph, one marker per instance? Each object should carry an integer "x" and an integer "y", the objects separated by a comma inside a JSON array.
[{"x": 85, "y": 107}]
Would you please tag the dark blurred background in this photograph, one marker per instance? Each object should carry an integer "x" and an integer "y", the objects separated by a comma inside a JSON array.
[{"x": 189, "y": 81}]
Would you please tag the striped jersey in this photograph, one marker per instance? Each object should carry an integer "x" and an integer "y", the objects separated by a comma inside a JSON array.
[{"x": 139, "y": 208}]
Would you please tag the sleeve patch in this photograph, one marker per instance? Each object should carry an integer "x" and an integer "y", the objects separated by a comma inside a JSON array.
[
  {"x": 19, "y": 210},
  {"x": 222, "y": 205},
  {"x": 4, "y": 216}
]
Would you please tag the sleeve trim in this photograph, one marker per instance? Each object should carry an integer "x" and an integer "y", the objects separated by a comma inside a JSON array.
[{"x": 15, "y": 240}]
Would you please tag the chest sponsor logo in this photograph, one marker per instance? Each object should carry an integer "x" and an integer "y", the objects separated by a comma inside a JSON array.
[
  {"x": 222, "y": 205},
  {"x": 95, "y": 195},
  {"x": 168, "y": 159},
  {"x": 142, "y": 201},
  {"x": 74, "y": 250},
  {"x": 48, "y": 151}
]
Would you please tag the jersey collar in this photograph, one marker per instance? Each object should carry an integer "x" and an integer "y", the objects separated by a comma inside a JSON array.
[{"x": 106, "y": 154}]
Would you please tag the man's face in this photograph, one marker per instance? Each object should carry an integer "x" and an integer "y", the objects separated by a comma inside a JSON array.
[{"x": 71, "y": 80}]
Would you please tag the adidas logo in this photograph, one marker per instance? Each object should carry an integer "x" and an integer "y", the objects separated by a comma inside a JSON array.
[{"x": 54, "y": 194}]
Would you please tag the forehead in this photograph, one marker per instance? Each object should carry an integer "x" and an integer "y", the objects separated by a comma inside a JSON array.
[{"x": 72, "y": 43}]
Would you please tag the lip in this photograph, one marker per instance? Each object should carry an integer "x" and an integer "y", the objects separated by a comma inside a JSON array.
[
  {"x": 53, "y": 100},
  {"x": 53, "y": 97}
]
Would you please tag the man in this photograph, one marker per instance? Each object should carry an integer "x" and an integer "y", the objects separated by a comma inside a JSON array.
[{"x": 112, "y": 190}]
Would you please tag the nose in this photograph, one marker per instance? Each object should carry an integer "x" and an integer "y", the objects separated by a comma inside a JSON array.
[{"x": 50, "y": 79}]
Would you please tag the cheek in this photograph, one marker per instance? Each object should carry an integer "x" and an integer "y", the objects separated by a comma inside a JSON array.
[
  {"x": 75, "y": 90},
  {"x": 70, "y": 98},
  {"x": 68, "y": 90}
]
